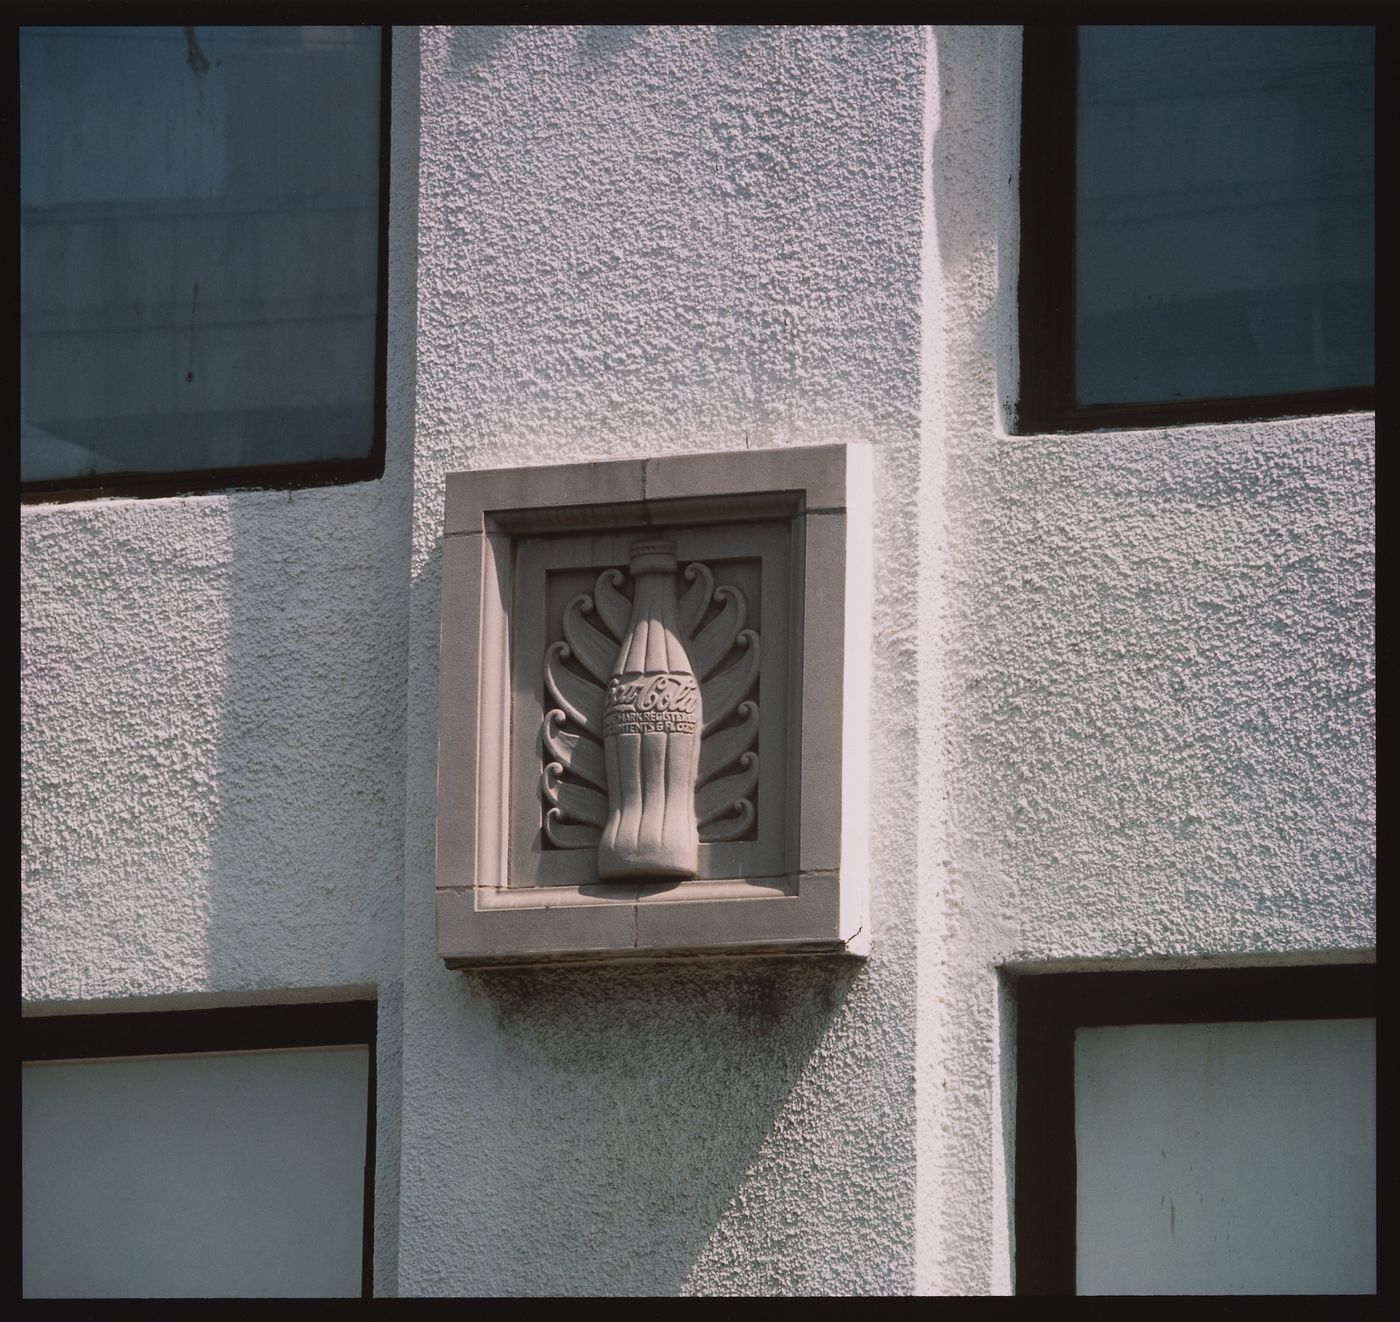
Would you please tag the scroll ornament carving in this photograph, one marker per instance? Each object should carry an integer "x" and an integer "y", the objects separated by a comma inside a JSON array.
[{"x": 648, "y": 746}]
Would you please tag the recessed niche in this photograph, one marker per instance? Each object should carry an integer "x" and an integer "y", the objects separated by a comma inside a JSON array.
[{"x": 654, "y": 689}]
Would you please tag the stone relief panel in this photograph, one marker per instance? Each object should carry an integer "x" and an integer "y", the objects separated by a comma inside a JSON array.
[
  {"x": 652, "y": 715},
  {"x": 649, "y": 747},
  {"x": 647, "y": 713}
]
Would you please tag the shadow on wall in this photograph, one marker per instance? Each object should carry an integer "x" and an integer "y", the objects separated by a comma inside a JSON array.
[
  {"x": 476, "y": 47},
  {"x": 306, "y": 868},
  {"x": 709, "y": 1126},
  {"x": 307, "y": 845},
  {"x": 958, "y": 51},
  {"x": 632, "y": 1107}
]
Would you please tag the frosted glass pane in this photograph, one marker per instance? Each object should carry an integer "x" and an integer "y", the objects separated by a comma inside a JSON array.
[
  {"x": 1225, "y": 229},
  {"x": 199, "y": 1175},
  {"x": 199, "y": 246},
  {"x": 1226, "y": 1158}
]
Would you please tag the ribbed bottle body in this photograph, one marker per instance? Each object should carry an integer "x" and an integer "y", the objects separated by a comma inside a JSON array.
[{"x": 651, "y": 734}]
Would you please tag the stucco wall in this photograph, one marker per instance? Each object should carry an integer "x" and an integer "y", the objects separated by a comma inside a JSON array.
[
  {"x": 1124, "y": 680},
  {"x": 1151, "y": 655},
  {"x": 636, "y": 242},
  {"x": 212, "y": 727},
  {"x": 211, "y": 687}
]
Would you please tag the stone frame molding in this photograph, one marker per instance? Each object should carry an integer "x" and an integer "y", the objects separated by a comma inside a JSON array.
[{"x": 798, "y": 522}]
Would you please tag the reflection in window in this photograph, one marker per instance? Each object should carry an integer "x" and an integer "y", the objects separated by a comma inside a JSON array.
[
  {"x": 1225, "y": 212},
  {"x": 199, "y": 247}
]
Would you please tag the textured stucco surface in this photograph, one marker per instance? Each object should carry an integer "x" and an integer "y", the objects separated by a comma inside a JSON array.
[
  {"x": 212, "y": 735},
  {"x": 210, "y": 694},
  {"x": 636, "y": 242},
  {"x": 1152, "y": 655},
  {"x": 1166, "y": 689},
  {"x": 1124, "y": 682}
]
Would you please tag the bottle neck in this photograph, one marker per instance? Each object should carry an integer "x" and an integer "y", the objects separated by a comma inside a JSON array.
[
  {"x": 653, "y": 641},
  {"x": 655, "y": 597}
]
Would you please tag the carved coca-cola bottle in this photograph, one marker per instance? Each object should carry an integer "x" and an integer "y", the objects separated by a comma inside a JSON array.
[{"x": 651, "y": 733}]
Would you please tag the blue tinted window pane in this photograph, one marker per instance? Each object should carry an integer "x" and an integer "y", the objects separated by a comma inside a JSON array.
[
  {"x": 1226, "y": 212},
  {"x": 199, "y": 247}
]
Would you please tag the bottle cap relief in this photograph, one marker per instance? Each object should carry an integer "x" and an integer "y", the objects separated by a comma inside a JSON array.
[{"x": 654, "y": 556}]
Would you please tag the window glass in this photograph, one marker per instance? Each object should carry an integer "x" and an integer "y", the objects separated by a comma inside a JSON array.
[
  {"x": 1196, "y": 1131},
  {"x": 199, "y": 247},
  {"x": 238, "y": 1173},
  {"x": 1224, "y": 228},
  {"x": 1226, "y": 1158}
]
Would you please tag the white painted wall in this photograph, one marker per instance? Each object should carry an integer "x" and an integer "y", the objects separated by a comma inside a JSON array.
[
  {"x": 1124, "y": 679},
  {"x": 212, "y": 725},
  {"x": 635, "y": 242}
]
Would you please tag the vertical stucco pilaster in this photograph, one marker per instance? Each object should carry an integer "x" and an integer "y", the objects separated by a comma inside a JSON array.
[
  {"x": 970, "y": 163},
  {"x": 638, "y": 242}
]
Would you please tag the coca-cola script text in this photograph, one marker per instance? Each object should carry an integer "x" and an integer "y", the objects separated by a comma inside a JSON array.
[{"x": 665, "y": 703}]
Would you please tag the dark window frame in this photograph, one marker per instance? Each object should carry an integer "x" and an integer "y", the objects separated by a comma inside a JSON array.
[
  {"x": 239, "y": 1028},
  {"x": 278, "y": 477},
  {"x": 1049, "y": 116},
  {"x": 1051, "y": 1006}
]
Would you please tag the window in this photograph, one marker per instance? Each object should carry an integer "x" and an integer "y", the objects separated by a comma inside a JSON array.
[
  {"x": 1198, "y": 224},
  {"x": 203, "y": 1153},
  {"x": 202, "y": 257},
  {"x": 1201, "y": 1132}
]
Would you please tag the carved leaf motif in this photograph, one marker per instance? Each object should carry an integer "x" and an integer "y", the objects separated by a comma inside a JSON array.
[
  {"x": 721, "y": 695},
  {"x": 581, "y": 700},
  {"x": 712, "y": 644},
  {"x": 613, "y": 608},
  {"x": 594, "y": 651},
  {"x": 729, "y": 828},
  {"x": 697, "y": 596},
  {"x": 722, "y": 796},
  {"x": 574, "y": 780},
  {"x": 576, "y": 801},
  {"x": 722, "y": 749},
  {"x": 568, "y": 836},
  {"x": 576, "y": 753}
]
